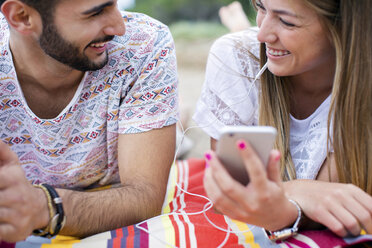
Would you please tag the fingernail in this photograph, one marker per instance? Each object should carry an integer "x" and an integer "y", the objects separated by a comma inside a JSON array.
[
  {"x": 208, "y": 156},
  {"x": 277, "y": 158},
  {"x": 242, "y": 145}
]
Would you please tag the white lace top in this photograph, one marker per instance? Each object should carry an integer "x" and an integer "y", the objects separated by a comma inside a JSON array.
[{"x": 230, "y": 97}]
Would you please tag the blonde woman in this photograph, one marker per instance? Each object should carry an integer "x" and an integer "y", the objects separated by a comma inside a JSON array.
[{"x": 317, "y": 92}]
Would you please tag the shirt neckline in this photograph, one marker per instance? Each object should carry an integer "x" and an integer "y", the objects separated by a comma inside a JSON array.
[
  {"x": 23, "y": 99},
  {"x": 315, "y": 113}
]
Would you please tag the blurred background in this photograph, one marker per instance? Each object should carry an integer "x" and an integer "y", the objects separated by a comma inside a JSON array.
[{"x": 195, "y": 25}]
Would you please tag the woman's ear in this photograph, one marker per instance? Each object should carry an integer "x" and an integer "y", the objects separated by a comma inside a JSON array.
[{"x": 20, "y": 16}]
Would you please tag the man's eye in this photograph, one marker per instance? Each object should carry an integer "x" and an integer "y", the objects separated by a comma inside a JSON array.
[{"x": 97, "y": 13}]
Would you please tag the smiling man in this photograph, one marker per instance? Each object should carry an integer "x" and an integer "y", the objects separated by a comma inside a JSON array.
[{"x": 88, "y": 98}]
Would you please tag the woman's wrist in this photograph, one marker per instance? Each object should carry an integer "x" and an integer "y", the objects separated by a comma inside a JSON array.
[
  {"x": 291, "y": 229},
  {"x": 294, "y": 212}
]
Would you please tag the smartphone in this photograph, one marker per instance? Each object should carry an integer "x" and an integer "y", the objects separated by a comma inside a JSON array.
[{"x": 261, "y": 138}]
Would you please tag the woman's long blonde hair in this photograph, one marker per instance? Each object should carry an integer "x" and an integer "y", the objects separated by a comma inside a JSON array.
[{"x": 349, "y": 25}]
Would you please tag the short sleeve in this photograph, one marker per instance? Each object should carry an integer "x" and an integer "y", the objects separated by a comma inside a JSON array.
[
  {"x": 151, "y": 100},
  {"x": 230, "y": 93}
]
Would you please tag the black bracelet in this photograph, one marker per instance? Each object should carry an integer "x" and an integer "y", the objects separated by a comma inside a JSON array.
[
  {"x": 57, "y": 222},
  {"x": 61, "y": 219}
]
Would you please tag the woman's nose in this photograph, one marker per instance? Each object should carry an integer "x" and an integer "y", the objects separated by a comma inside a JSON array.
[{"x": 267, "y": 32}]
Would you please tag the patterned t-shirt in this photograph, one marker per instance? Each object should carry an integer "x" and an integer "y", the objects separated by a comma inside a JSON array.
[
  {"x": 230, "y": 96},
  {"x": 135, "y": 92}
]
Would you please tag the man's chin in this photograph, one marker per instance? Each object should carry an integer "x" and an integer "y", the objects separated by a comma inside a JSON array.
[
  {"x": 92, "y": 65},
  {"x": 100, "y": 61}
]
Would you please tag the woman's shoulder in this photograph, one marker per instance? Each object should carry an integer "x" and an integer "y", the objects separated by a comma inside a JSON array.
[
  {"x": 238, "y": 51},
  {"x": 243, "y": 42}
]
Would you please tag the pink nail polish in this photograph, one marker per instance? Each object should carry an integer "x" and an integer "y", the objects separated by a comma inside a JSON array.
[
  {"x": 208, "y": 156},
  {"x": 242, "y": 145},
  {"x": 277, "y": 158}
]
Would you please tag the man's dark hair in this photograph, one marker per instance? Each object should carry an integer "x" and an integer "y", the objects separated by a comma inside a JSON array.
[{"x": 44, "y": 7}]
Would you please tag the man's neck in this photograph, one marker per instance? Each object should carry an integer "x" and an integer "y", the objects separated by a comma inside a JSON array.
[
  {"x": 48, "y": 86},
  {"x": 34, "y": 66}
]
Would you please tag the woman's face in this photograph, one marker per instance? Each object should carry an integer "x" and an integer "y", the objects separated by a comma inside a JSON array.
[{"x": 295, "y": 40}]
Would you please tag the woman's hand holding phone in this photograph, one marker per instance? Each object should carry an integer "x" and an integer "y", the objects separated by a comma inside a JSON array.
[{"x": 262, "y": 201}]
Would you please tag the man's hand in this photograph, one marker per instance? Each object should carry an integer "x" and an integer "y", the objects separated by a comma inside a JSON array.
[{"x": 23, "y": 208}]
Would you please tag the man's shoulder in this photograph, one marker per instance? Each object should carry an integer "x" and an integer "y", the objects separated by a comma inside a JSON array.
[
  {"x": 143, "y": 36},
  {"x": 142, "y": 23},
  {"x": 142, "y": 33},
  {"x": 145, "y": 39}
]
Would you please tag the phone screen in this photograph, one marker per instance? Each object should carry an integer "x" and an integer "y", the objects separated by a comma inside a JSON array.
[{"x": 261, "y": 138}]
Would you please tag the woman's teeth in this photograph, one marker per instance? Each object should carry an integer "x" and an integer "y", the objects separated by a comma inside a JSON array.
[{"x": 277, "y": 52}]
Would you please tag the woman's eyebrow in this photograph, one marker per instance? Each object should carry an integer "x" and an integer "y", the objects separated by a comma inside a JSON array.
[{"x": 285, "y": 12}]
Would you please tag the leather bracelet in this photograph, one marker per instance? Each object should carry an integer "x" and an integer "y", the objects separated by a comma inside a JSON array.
[
  {"x": 286, "y": 232},
  {"x": 57, "y": 221},
  {"x": 44, "y": 231}
]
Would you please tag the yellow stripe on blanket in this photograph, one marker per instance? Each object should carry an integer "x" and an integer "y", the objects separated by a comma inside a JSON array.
[
  {"x": 61, "y": 242},
  {"x": 171, "y": 188},
  {"x": 245, "y": 236},
  {"x": 168, "y": 230}
]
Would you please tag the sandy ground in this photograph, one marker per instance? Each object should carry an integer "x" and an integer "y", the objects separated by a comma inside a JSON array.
[{"x": 192, "y": 58}]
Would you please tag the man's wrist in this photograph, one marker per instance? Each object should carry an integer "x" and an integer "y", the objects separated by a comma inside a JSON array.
[
  {"x": 43, "y": 209},
  {"x": 57, "y": 217}
]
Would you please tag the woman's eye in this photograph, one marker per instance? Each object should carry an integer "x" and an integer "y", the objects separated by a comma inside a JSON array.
[
  {"x": 287, "y": 23},
  {"x": 260, "y": 6}
]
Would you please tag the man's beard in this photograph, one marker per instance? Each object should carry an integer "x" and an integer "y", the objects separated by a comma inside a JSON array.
[{"x": 54, "y": 45}]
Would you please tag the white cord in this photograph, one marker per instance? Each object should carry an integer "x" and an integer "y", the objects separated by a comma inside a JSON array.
[
  {"x": 206, "y": 208},
  {"x": 209, "y": 203}
]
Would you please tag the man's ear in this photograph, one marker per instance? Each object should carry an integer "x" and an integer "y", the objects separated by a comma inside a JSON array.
[{"x": 20, "y": 16}]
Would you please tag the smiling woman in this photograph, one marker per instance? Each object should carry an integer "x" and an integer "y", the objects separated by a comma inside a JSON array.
[{"x": 317, "y": 93}]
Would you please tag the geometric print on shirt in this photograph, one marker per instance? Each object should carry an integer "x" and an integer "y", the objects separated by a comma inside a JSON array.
[{"x": 136, "y": 91}]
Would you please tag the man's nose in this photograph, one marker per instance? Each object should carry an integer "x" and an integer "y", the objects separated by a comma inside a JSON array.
[{"x": 115, "y": 24}]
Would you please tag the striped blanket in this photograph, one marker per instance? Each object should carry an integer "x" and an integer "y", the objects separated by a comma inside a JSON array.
[{"x": 189, "y": 221}]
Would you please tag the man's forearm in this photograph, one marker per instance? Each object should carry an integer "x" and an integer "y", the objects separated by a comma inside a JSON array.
[{"x": 89, "y": 213}]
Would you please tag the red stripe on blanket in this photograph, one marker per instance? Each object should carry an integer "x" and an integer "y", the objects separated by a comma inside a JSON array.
[
  {"x": 130, "y": 239},
  {"x": 187, "y": 231},
  {"x": 119, "y": 233},
  {"x": 176, "y": 231},
  {"x": 195, "y": 204},
  {"x": 116, "y": 241}
]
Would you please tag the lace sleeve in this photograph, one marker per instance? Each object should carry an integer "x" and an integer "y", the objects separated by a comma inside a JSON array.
[{"x": 229, "y": 95}]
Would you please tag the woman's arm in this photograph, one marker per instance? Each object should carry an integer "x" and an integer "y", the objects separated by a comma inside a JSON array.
[{"x": 343, "y": 208}]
